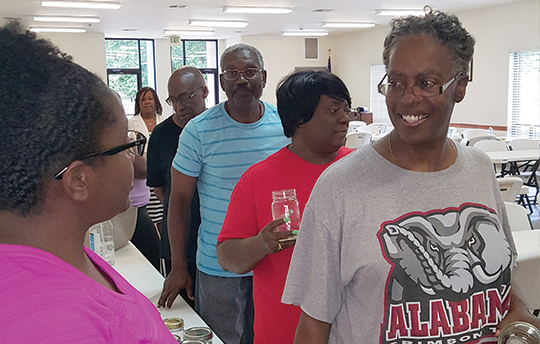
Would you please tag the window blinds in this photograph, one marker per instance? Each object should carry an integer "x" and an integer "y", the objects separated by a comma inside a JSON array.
[{"x": 524, "y": 95}]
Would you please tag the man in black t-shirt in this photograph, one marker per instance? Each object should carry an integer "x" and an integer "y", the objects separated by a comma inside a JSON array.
[{"x": 187, "y": 94}]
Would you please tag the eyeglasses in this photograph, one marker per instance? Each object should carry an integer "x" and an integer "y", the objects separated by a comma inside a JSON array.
[
  {"x": 248, "y": 73},
  {"x": 183, "y": 98},
  {"x": 135, "y": 146},
  {"x": 426, "y": 88}
]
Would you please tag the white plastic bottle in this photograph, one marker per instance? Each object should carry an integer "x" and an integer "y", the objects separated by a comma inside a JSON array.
[{"x": 102, "y": 241}]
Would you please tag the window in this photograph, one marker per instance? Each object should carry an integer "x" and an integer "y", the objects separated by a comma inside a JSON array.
[
  {"x": 377, "y": 102},
  {"x": 203, "y": 55},
  {"x": 524, "y": 95},
  {"x": 130, "y": 66}
]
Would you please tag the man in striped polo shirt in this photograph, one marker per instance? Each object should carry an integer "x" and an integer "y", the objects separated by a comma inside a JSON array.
[{"x": 214, "y": 150}]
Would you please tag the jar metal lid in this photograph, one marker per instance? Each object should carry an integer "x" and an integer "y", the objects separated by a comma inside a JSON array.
[
  {"x": 174, "y": 323},
  {"x": 203, "y": 333},
  {"x": 192, "y": 341},
  {"x": 284, "y": 194}
]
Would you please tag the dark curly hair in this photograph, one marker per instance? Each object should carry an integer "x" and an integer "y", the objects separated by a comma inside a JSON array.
[
  {"x": 445, "y": 28},
  {"x": 298, "y": 95},
  {"x": 51, "y": 111},
  {"x": 140, "y": 94}
]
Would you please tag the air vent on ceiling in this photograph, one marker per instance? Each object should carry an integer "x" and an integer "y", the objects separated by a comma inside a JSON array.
[
  {"x": 178, "y": 7},
  {"x": 323, "y": 10},
  {"x": 130, "y": 30}
]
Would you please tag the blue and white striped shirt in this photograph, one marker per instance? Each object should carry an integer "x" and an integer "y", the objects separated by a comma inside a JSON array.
[{"x": 217, "y": 150}]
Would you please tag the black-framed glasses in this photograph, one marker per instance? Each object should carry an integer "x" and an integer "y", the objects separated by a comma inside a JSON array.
[
  {"x": 135, "y": 146},
  {"x": 426, "y": 88},
  {"x": 248, "y": 73},
  {"x": 183, "y": 98}
]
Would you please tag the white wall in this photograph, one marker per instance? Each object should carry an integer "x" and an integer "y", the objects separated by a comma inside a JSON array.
[
  {"x": 498, "y": 31},
  {"x": 355, "y": 53},
  {"x": 87, "y": 49},
  {"x": 282, "y": 54},
  {"x": 163, "y": 71}
]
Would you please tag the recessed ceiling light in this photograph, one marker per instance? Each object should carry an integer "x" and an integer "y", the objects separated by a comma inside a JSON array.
[
  {"x": 347, "y": 25},
  {"x": 82, "y": 4},
  {"x": 402, "y": 12},
  {"x": 178, "y": 7},
  {"x": 58, "y": 29},
  {"x": 189, "y": 32},
  {"x": 68, "y": 19},
  {"x": 305, "y": 33},
  {"x": 219, "y": 23},
  {"x": 256, "y": 9}
]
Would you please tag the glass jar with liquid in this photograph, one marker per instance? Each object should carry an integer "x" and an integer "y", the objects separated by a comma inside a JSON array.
[
  {"x": 519, "y": 332},
  {"x": 285, "y": 205}
]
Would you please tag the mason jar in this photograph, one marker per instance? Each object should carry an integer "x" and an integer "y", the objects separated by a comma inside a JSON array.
[
  {"x": 203, "y": 334},
  {"x": 285, "y": 204},
  {"x": 176, "y": 326},
  {"x": 519, "y": 332}
]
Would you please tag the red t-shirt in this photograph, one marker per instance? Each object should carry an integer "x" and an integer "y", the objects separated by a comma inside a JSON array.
[{"x": 250, "y": 209}]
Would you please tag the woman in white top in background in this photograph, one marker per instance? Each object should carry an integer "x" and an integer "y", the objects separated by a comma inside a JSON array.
[{"x": 148, "y": 111}]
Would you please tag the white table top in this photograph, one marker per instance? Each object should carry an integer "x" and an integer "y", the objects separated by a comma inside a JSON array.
[
  {"x": 138, "y": 271},
  {"x": 501, "y": 157},
  {"x": 527, "y": 244},
  {"x": 526, "y": 276}
]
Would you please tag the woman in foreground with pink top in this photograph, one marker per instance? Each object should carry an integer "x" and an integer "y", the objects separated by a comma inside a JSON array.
[{"x": 67, "y": 163}]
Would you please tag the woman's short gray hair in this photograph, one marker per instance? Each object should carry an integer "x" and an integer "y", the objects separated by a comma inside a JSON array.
[
  {"x": 239, "y": 47},
  {"x": 445, "y": 28}
]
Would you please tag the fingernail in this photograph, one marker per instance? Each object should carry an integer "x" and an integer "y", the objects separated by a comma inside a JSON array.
[
  {"x": 295, "y": 232},
  {"x": 291, "y": 211},
  {"x": 286, "y": 220}
]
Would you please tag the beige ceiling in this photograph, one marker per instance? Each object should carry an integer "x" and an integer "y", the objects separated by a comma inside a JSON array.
[{"x": 148, "y": 18}]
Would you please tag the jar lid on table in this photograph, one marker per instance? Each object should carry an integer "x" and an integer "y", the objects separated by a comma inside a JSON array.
[
  {"x": 199, "y": 333},
  {"x": 174, "y": 323}
]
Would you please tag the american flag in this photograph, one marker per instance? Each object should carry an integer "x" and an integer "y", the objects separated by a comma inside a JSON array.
[{"x": 329, "y": 65}]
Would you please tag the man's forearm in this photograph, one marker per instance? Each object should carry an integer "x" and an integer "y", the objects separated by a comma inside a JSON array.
[{"x": 178, "y": 218}]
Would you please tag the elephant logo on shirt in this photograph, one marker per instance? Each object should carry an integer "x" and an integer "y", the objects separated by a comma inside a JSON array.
[{"x": 449, "y": 256}]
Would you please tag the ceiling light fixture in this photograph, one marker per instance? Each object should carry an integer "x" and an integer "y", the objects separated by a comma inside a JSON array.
[
  {"x": 219, "y": 23},
  {"x": 402, "y": 12},
  {"x": 178, "y": 7},
  {"x": 347, "y": 25},
  {"x": 58, "y": 29},
  {"x": 189, "y": 32},
  {"x": 68, "y": 19},
  {"x": 304, "y": 33},
  {"x": 82, "y": 4},
  {"x": 257, "y": 10}
]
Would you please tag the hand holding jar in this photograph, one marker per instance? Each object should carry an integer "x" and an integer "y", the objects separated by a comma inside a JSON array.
[{"x": 285, "y": 206}]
